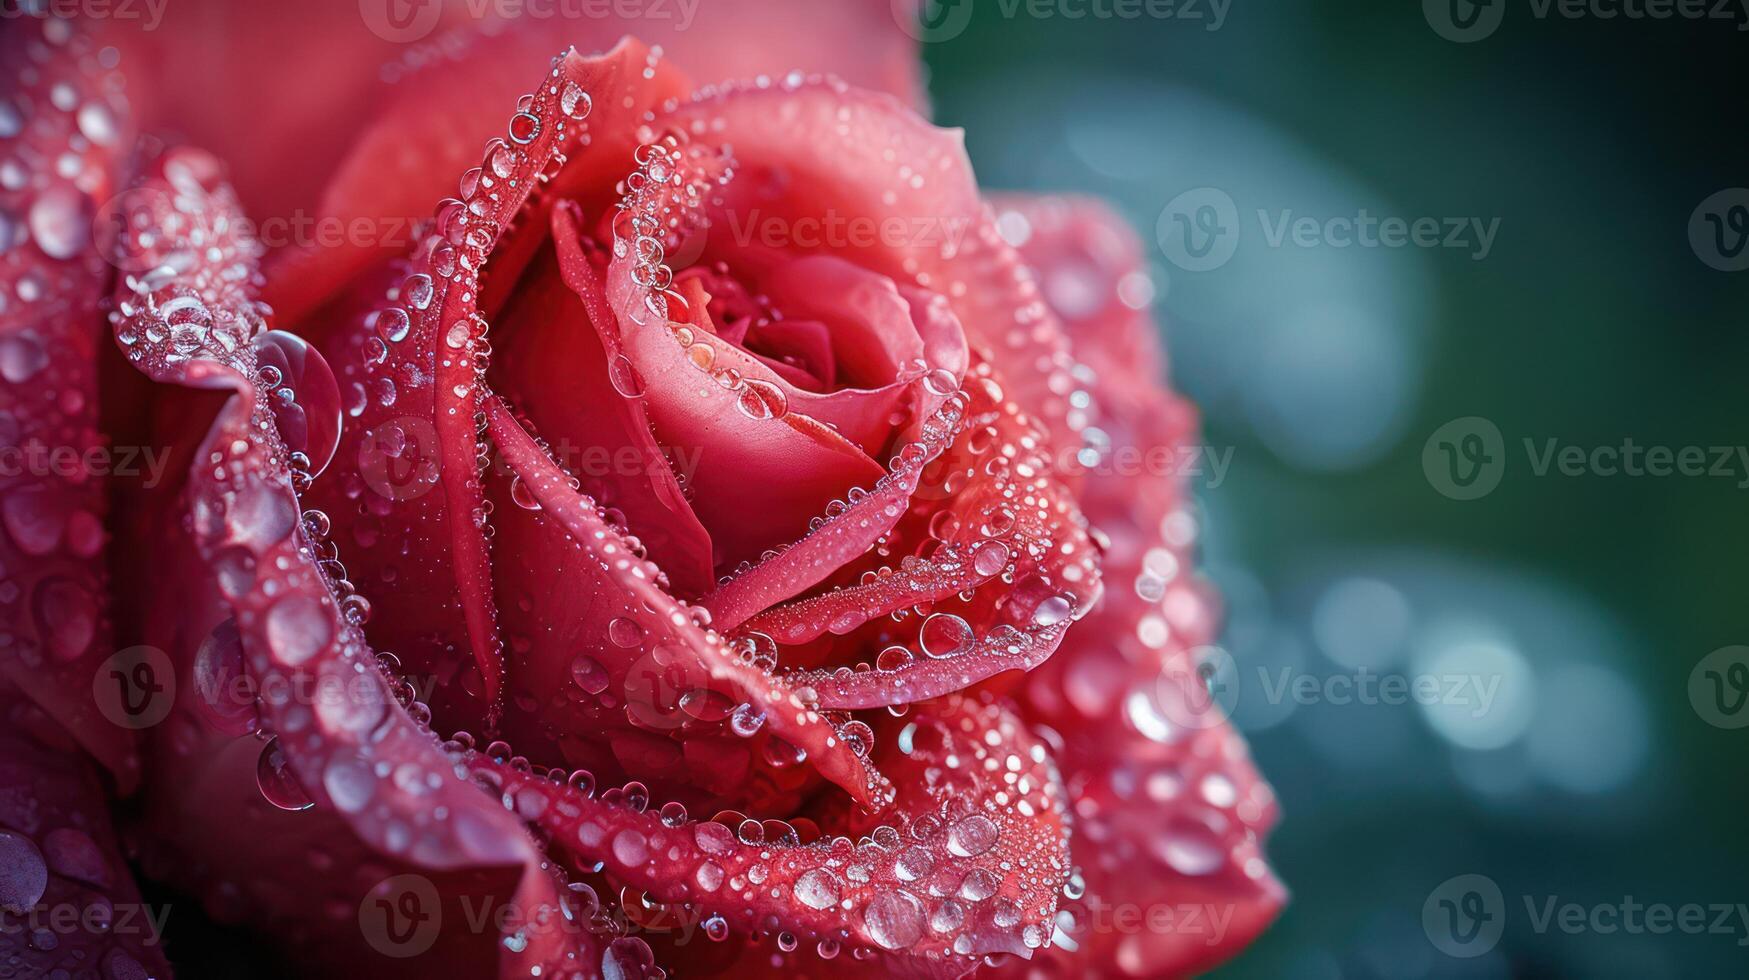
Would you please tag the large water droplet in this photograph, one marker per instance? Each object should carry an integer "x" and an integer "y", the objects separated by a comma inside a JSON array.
[
  {"x": 589, "y": 674},
  {"x": 297, "y": 628},
  {"x": 60, "y": 221},
  {"x": 278, "y": 785},
  {"x": 894, "y": 920},
  {"x": 762, "y": 400},
  {"x": 972, "y": 836},
  {"x": 575, "y": 102},
  {"x": 817, "y": 889},
  {"x": 310, "y": 420},
  {"x": 945, "y": 635}
]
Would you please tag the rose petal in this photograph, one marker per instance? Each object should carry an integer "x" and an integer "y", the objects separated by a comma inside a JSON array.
[
  {"x": 657, "y": 625},
  {"x": 67, "y": 122},
  {"x": 60, "y": 862},
  {"x": 360, "y": 756},
  {"x": 575, "y": 383},
  {"x": 427, "y": 125},
  {"x": 1171, "y": 809},
  {"x": 414, "y": 368},
  {"x": 969, "y": 863},
  {"x": 762, "y": 469},
  {"x": 814, "y": 155},
  {"x": 994, "y": 497}
]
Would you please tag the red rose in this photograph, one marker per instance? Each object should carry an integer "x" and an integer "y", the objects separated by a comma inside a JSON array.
[{"x": 731, "y": 491}]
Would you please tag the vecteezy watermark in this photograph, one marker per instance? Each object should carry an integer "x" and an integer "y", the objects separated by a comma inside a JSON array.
[
  {"x": 1465, "y": 916},
  {"x": 1466, "y": 458},
  {"x": 407, "y": 21},
  {"x": 837, "y": 231},
  {"x": 1465, "y": 21},
  {"x": 79, "y": 463},
  {"x": 943, "y": 20},
  {"x": 1200, "y": 230},
  {"x": 1211, "y": 687},
  {"x": 402, "y": 916},
  {"x": 402, "y": 459},
  {"x": 1718, "y": 229},
  {"x": 1718, "y": 687},
  {"x": 148, "y": 14},
  {"x": 1368, "y": 687},
  {"x": 1204, "y": 922},
  {"x": 44, "y": 922},
  {"x": 136, "y": 215},
  {"x": 135, "y": 688}
]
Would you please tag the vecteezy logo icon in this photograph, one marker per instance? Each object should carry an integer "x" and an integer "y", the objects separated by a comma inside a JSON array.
[
  {"x": 1465, "y": 458},
  {"x": 402, "y": 458},
  {"x": 1199, "y": 229},
  {"x": 401, "y": 916},
  {"x": 135, "y": 688},
  {"x": 1464, "y": 21},
  {"x": 1718, "y": 687},
  {"x": 929, "y": 21},
  {"x": 1202, "y": 696},
  {"x": 1718, "y": 230},
  {"x": 401, "y": 21},
  {"x": 1464, "y": 916}
]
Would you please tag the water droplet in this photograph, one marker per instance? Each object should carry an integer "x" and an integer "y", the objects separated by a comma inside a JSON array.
[
  {"x": 298, "y": 627},
  {"x": 945, "y": 635},
  {"x": 393, "y": 324},
  {"x": 894, "y": 920},
  {"x": 1052, "y": 611},
  {"x": 716, "y": 928},
  {"x": 817, "y": 889},
  {"x": 575, "y": 102},
  {"x": 589, "y": 674},
  {"x": 972, "y": 836},
  {"x": 631, "y": 848},
  {"x": 60, "y": 221},
  {"x": 278, "y": 785},
  {"x": 24, "y": 876},
  {"x": 990, "y": 558},
  {"x": 625, "y": 633},
  {"x": 762, "y": 400},
  {"x": 978, "y": 885},
  {"x": 913, "y": 863}
]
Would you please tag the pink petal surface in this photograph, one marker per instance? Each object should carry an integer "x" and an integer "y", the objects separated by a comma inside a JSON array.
[
  {"x": 1170, "y": 810},
  {"x": 68, "y": 123},
  {"x": 969, "y": 862},
  {"x": 361, "y": 758},
  {"x": 69, "y": 898}
]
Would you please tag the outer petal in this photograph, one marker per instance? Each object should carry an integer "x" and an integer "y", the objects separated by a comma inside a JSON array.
[
  {"x": 361, "y": 756},
  {"x": 406, "y": 497},
  {"x": 62, "y": 131},
  {"x": 60, "y": 861},
  {"x": 426, "y": 127},
  {"x": 968, "y": 864},
  {"x": 1170, "y": 810}
]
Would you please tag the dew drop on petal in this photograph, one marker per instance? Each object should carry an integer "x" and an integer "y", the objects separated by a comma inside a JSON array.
[
  {"x": 817, "y": 889},
  {"x": 589, "y": 674},
  {"x": 278, "y": 785},
  {"x": 894, "y": 920},
  {"x": 972, "y": 836},
  {"x": 945, "y": 635}
]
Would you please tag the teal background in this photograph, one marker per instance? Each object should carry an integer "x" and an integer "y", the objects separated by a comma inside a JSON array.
[{"x": 1326, "y": 370}]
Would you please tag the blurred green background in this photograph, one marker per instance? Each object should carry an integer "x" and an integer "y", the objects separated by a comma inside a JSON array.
[{"x": 1591, "y": 319}]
